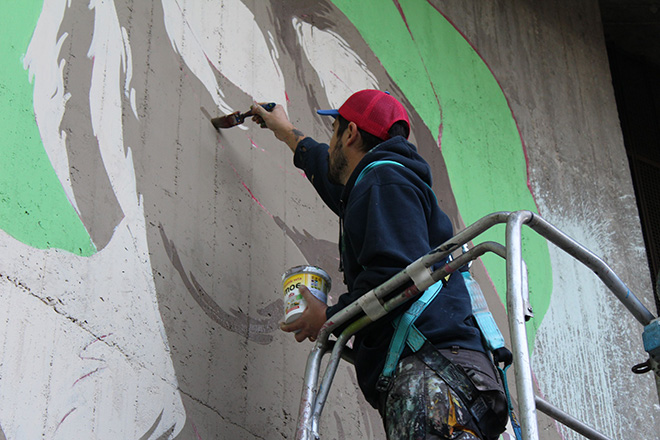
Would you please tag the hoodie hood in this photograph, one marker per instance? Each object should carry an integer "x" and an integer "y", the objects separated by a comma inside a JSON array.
[{"x": 397, "y": 149}]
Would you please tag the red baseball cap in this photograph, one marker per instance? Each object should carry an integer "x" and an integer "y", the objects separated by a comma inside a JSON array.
[{"x": 372, "y": 111}]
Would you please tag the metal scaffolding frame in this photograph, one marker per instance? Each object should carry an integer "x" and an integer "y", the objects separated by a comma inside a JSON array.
[{"x": 381, "y": 301}]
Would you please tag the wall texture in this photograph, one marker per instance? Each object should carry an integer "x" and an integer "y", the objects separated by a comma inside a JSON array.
[{"x": 141, "y": 250}]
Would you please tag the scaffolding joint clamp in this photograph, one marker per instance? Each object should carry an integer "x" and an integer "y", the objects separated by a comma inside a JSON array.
[
  {"x": 371, "y": 305},
  {"x": 420, "y": 274}
]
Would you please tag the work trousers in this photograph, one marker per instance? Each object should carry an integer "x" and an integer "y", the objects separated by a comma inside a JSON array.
[{"x": 420, "y": 406}]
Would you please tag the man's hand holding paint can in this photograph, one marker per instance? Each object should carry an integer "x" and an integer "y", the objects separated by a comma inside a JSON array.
[{"x": 305, "y": 296}]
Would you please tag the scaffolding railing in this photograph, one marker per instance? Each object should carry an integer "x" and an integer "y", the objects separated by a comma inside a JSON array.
[{"x": 383, "y": 300}]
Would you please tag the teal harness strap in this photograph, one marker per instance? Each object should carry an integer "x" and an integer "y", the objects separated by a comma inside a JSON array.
[
  {"x": 374, "y": 164},
  {"x": 512, "y": 415},
  {"x": 377, "y": 163},
  {"x": 489, "y": 330},
  {"x": 415, "y": 338},
  {"x": 406, "y": 332}
]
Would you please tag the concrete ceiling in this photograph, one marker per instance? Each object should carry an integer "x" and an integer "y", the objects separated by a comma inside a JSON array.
[{"x": 633, "y": 26}]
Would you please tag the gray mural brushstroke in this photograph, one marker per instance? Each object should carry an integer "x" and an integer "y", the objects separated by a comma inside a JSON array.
[
  {"x": 255, "y": 330},
  {"x": 147, "y": 435}
]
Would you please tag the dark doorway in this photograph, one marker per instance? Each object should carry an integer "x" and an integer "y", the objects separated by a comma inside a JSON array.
[{"x": 636, "y": 83}]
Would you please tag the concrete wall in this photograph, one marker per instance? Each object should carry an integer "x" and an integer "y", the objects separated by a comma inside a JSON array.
[{"x": 141, "y": 250}]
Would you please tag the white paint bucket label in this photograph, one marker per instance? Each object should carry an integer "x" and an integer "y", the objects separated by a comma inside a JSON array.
[{"x": 316, "y": 280}]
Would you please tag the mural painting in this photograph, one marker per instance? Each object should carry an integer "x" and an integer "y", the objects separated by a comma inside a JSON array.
[{"x": 142, "y": 249}]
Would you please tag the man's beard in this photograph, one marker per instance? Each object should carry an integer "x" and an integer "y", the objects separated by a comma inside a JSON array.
[{"x": 337, "y": 164}]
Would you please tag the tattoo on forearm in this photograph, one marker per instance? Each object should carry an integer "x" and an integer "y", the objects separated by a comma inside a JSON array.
[{"x": 298, "y": 134}]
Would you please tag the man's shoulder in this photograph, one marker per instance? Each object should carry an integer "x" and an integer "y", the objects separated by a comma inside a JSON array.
[
  {"x": 393, "y": 185},
  {"x": 387, "y": 172}
]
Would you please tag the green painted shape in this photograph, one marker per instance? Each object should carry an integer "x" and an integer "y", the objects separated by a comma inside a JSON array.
[
  {"x": 33, "y": 206},
  {"x": 457, "y": 97}
]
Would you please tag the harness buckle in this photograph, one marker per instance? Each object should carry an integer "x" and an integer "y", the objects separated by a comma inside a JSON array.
[{"x": 383, "y": 384}]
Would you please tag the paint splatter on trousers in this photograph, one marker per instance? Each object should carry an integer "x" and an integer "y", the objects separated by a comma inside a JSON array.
[{"x": 420, "y": 405}]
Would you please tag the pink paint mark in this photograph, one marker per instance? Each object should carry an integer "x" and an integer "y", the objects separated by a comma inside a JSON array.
[
  {"x": 398, "y": 6},
  {"x": 64, "y": 418},
  {"x": 99, "y": 339},
  {"x": 522, "y": 141},
  {"x": 279, "y": 166},
  {"x": 287, "y": 97},
  {"x": 245, "y": 186},
  {"x": 88, "y": 374},
  {"x": 255, "y": 145},
  {"x": 342, "y": 81},
  {"x": 256, "y": 200},
  {"x": 199, "y": 437},
  {"x": 440, "y": 129}
]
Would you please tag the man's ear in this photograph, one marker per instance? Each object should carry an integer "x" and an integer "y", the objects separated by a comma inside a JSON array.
[{"x": 353, "y": 134}]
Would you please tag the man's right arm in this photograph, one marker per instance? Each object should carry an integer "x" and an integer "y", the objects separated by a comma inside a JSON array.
[
  {"x": 311, "y": 159},
  {"x": 278, "y": 122}
]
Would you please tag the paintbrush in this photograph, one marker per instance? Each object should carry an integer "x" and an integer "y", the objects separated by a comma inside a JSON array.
[{"x": 237, "y": 118}]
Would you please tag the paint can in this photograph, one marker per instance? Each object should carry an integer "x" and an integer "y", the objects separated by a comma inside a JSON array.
[{"x": 317, "y": 281}]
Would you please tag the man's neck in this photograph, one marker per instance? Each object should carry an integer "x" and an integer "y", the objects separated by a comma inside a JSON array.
[{"x": 353, "y": 158}]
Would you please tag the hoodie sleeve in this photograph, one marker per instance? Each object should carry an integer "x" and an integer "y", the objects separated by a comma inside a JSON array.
[
  {"x": 312, "y": 157},
  {"x": 387, "y": 228}
]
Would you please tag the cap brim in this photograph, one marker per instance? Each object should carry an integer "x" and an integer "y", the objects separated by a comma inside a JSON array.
[{"x": 333, "y": 113}]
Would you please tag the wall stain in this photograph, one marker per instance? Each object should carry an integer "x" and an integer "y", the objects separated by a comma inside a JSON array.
[{"x": 237, "y": 321}]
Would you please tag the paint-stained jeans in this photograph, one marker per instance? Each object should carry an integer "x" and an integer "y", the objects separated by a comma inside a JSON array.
[{"x": 420, "y": 405}]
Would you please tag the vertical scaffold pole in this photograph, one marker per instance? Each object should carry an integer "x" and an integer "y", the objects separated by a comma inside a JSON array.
[{"x": 516, "y": 315}]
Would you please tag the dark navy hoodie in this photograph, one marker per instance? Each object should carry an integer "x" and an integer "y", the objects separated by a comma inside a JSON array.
[{"x": 390, "y": 219}]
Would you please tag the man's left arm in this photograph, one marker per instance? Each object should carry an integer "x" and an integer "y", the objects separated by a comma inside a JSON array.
[{"x": 310, "y": 321}]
